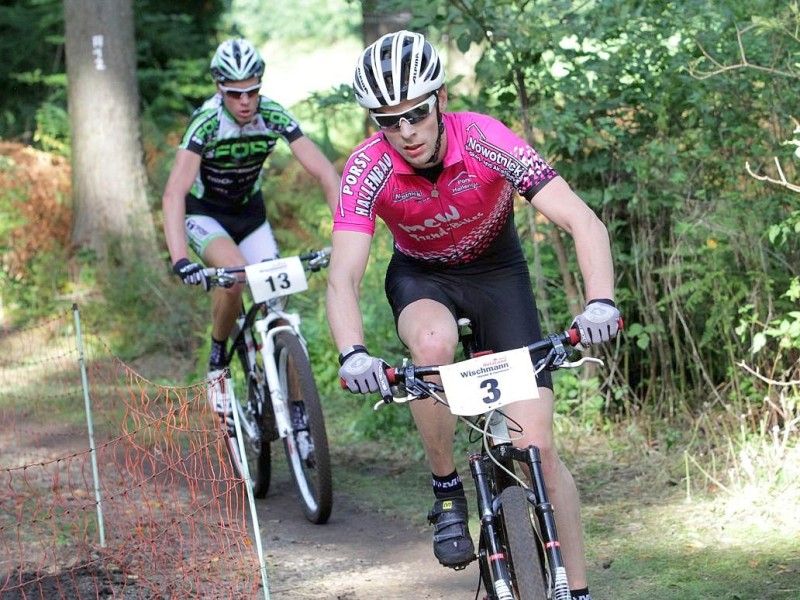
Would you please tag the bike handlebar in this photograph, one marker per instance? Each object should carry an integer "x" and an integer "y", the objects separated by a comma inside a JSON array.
[
  {"x": 554, "y": 344},
  {"x": 314, "y": 261}
]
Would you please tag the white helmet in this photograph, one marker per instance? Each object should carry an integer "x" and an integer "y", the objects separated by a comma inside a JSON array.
[
  {"x": 236, "y": 60},
  {"x": 397, "y": 67}
]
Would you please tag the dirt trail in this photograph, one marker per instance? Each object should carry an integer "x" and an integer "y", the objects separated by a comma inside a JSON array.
[{"x": 357, "y": 555}]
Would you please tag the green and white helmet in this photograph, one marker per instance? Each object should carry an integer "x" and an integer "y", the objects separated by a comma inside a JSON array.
[{"x": 236, "y": 60}]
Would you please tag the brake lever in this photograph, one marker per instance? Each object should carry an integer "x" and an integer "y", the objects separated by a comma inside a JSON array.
[
  {"x": 581, "y": 361},
  {"x": 320, "y": 261},
  {"x": 414, "y": 389},
  {"x": 317, "y": 264},
  {"x": 225, "y": 280}
]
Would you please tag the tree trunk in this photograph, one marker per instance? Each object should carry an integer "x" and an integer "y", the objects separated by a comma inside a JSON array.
[
  {"x": 378, "y": 20},
  {"x": 108, "y": 174}
]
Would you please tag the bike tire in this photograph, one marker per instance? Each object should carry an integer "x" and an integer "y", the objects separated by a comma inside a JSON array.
[
  {"x": 525, "y": 563},
  {"x": 307, "y": 446},
  {"x": 254, "y": 408}
]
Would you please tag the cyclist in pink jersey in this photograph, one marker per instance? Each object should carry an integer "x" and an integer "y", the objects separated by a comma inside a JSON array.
[{"x": 445, "y": 184}]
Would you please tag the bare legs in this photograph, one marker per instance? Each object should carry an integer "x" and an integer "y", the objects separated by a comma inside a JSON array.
[
  {"x": 225, "y": 302},
  {"x": 431, "y": 334}
]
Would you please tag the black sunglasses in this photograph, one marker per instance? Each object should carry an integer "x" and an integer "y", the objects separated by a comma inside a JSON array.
[{"x": 412, "y": 116}]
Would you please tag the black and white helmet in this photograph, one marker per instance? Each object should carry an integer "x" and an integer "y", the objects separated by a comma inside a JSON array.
[
  {"x": 397, "y": 67},
  {"x": 236, "y": 60}
]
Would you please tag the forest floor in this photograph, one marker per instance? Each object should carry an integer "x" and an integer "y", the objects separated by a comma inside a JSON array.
[{"x": 645, "y": 539}]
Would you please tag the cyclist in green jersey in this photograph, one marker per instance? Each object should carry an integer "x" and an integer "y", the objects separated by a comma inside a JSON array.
[{"x": 212, "y": 200}]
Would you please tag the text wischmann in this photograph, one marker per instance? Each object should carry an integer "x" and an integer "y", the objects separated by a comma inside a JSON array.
[{"x": 485, "y": 370}]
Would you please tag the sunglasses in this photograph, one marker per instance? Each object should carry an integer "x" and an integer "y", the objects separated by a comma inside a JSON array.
[
  {"x": 412, "y": 116},
  {"x": 235, "y": 93}
]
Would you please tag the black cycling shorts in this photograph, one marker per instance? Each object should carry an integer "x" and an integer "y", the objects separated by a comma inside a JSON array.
[
  {"x": 494, "y": 294},
  {"x": 239, "y": 221}
]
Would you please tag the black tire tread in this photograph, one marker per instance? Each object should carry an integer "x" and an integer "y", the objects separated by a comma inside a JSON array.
[
  {"x": 305, "y": 389},
  {"x": 525, "y": 564}
]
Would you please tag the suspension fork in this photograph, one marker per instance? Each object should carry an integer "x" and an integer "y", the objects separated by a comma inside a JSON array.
[
  {"x": 545, "y": 514},
  {"x": 496, "y": 558},
  {"x": 537, "y": 497}
]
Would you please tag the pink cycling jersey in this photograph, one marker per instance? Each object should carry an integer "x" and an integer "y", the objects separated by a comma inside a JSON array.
[{"x": 451, "y": 221}]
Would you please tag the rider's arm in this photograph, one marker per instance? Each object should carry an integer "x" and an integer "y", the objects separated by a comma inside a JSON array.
[
  {"x": 349, "y": 258},
  {"x": 318, "y": 165},
  {"x": 556, "y": 201},
  {"x": 181, "y": 177}
]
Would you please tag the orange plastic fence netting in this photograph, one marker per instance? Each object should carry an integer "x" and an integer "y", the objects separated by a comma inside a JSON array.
[{"x": 174, "y": 515}]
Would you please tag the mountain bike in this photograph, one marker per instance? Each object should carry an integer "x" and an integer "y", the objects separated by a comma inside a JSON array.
[
  {"x": 272, "y": 387},
  {"x": 519, "y": 554}
]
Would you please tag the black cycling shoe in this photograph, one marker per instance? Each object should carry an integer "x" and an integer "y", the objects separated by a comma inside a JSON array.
[{"x": 452, "y": 544}]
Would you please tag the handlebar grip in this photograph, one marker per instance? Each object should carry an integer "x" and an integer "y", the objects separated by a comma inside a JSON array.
[
  {"x": 391, "y": 376},
  {"x": 575, "y": 336}
]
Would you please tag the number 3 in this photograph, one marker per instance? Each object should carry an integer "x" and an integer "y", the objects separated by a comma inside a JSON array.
[{"x": 490, "y": 385}]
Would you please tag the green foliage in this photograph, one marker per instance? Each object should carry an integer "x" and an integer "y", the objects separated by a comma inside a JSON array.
[
  {"x": 309, "y": 23},
  {"x": 335, "y": 120},
  {"x": 579, "y": 397},
  {"x": 144, "y": 310},
  {"x": 174, "y": 78},
  {"x": 44, "y": 290},
  {"x": 34, "y": 65},
  {"x": 52, "y": 129},
  {"x": 32, "y": 50}
]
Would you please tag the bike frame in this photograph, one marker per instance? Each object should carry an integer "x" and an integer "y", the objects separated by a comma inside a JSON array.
[
  {"x": 257, "y": 332},
  {"x": 267, "y": 330},
  {"x": 492, "y": 469}
]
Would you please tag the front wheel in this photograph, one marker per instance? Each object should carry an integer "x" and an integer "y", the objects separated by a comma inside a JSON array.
[
  {"x": 525, "y": 562},
  {"x": 307, "y": 445}
]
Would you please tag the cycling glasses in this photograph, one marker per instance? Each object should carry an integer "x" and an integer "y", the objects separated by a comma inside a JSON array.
[
  {"x": 235, "y": 93},
  {"x": 412, "y": 116}
]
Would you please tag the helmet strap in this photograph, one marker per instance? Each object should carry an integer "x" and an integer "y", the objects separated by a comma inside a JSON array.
[{"x": 440, "y": 126}]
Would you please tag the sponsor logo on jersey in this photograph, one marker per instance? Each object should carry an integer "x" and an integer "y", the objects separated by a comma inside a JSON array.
[
  {"x": 364, "y": 179},
  {"x": 463, "y": 182},
  {"x": 240, "y": 149},
  {"x": 416, "y": 195},
  {"x": 438, "y": 226},
  {"x": 493, "y": 157}
]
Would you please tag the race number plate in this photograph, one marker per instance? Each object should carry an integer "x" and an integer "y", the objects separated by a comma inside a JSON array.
[
  {"x": 274, "y": 278},
  {"x": 487, "y": 382}
]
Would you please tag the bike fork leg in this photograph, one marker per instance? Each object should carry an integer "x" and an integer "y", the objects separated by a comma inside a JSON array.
[
  {"x": 547, "y": 524},
  {"x": 495, "y": 556}
]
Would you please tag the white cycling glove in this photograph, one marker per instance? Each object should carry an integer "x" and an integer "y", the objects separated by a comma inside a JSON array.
[
  {"x": 362, "y": 373},
  {"x": 190, "y": 273},
  {"x": 598, "y": 323}
]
